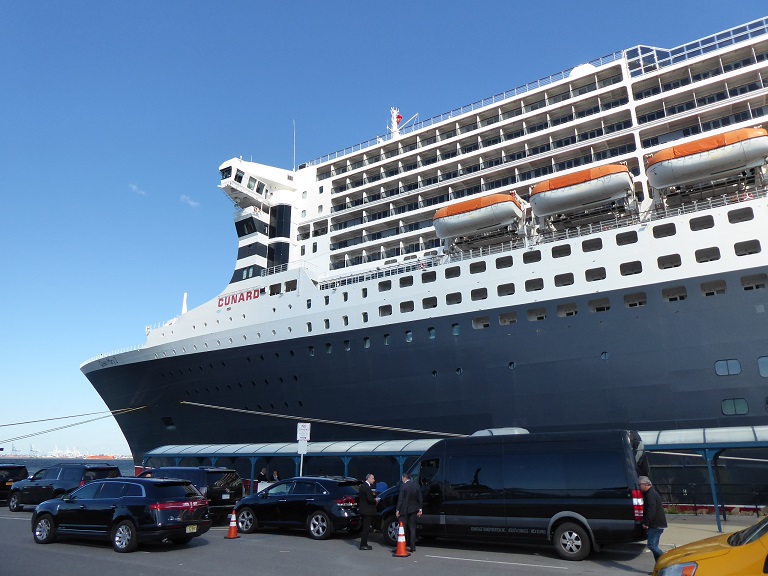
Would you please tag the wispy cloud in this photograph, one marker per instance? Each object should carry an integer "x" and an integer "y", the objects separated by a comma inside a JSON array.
[
  {"x": 187, "y": 200},
  {"x": 136, "y": 189}
]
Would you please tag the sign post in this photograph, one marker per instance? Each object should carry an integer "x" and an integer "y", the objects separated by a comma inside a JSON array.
[{"x": 302, "y": 436}]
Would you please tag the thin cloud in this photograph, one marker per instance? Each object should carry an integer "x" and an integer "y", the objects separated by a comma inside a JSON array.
[
  {"x": 187, "y": 200},
  {"x": 136, "y": 189}
]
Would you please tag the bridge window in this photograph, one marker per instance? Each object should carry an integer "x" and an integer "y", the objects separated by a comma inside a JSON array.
[
  {"x": 727, "y": 367},
  {"x": 735, "y": 406}
]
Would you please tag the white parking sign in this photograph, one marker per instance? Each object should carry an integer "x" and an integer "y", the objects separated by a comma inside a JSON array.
[{"x": 302, "y": 431}]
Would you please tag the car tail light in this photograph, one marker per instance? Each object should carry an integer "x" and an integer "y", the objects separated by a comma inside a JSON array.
[
  {"x": 346, "y": 501},
  {"x": 82, "y": 483},
  {"x": 187, "y": 504},
  {"x": 637, "y": 504}
]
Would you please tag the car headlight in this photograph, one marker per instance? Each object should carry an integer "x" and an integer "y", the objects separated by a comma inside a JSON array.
[{"x": 687, "y": 569}]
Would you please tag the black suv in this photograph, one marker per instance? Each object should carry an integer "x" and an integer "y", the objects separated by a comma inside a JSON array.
[
  {"x": 10, "y": 473},
  {"x": 318, "y": 504},
  {"x": 125, "y": 511},
  {"x": 222, "y": 486},
  {"x": 54, "y": 481}
]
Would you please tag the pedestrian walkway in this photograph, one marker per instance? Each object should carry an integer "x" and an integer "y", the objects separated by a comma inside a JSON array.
[{"x": 685, "y": 528}]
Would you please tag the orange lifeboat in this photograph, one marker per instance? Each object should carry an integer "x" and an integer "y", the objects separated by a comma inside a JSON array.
[
  {"x": 581, "y": 190},
  {"x": 710, "y": 158},
  {"x": 477, "y": 215}
]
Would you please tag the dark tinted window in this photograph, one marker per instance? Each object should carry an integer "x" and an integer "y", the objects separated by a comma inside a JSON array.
[
  {"x": 12, "y": 474},
  {"x": 87, "y": 492},
  {"x": 134, "y": 490},
  {"x": 534, "y": 471},
  {"x": 280, "y": 489},
  {"x": 100, "y": 473},
  {"x": 426, "y": 472},
  {"x": 173, "y": 490},
  {"x": 223, "y": 479},
  {"x": 474, "y": 472},
  {"x": 111, "y": 490},
  {"x": 305, "y": 488},
  {"x": 74, "y": 474}
]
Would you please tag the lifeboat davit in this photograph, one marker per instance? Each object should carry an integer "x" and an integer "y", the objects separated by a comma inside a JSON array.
[
  {"x": 581, "y": 190},
  {"x": 710, "y": 158},
  {"x": 477, "y": 215}
]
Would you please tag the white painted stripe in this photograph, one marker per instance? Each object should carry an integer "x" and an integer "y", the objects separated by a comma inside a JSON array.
[{"x": 497, "y": 562}]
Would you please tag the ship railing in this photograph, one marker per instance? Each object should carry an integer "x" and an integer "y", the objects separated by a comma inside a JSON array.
[
  {"x": 298, "y": 264},
  {"x": 381, "y": 272},
  {"x": 109, "y": 355}
]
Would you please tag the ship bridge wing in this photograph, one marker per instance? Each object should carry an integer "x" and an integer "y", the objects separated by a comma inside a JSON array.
[{"x": 252, "y": 184}]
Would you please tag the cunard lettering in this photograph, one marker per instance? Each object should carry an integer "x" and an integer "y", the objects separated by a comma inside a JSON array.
[{"x": 237, "y": 298}]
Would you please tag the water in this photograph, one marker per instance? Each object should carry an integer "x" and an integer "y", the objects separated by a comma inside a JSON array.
[{"x": 35, "y": 464}]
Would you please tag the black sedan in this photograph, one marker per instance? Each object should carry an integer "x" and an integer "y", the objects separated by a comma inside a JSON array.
[
  {"x": 319, "y": 504},
  {"x": 125, "y": 511}
]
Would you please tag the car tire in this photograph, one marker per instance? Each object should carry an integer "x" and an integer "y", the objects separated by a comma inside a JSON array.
[
  {"x": 124, "y": 537},
  {"x": 44, "y": 530},
  {"x": 319, "y": 525},
  {"x": 246, "y": 520},
  {"x": 182, "y": 541},
  {"x": 14, "y": 502},
  {"x": 390, "y": 527},
  {"x": 572, "y": 541}
]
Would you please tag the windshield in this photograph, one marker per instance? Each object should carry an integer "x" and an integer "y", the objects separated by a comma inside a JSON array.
[{"x": 750, "y": 534}]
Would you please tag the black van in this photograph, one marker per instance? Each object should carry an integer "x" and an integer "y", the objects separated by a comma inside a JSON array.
[
  {"x": 222, "y": 486},
  {"x": 575, "y": 490}
]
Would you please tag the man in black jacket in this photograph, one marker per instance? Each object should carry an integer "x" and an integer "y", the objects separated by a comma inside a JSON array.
[
  {"x": 654, "y": 519},
  {"x": 367, "y": 509},
  {"x": 409, "y": 508}
]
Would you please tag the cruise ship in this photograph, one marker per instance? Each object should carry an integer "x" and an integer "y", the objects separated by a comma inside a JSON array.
[{"x": 583, "y": 251}]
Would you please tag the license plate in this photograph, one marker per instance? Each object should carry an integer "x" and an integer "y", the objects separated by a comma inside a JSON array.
[
  {"x": 8, "y": 483},
  {"x": 225, "y": 496},
  {"x": 191, "y": 528}
]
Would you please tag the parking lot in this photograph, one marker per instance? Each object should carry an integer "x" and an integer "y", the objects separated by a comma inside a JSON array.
[{"x": 275, "y": 552}]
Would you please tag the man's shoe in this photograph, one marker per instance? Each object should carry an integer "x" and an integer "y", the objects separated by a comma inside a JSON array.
[
  {"x": 366, "y": 547},
  {"x": 412, "y": 549}
]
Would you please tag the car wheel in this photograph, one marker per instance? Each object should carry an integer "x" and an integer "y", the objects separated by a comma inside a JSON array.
[
  {"x": 182, "y": 541},
  {"x": 572, "y": 541},
  {"x": 246, "y": 521},
  {"x": 14, "y": 502},
  {"x": 44, "y": 530},
  {"x": 319, "y": 525},
  {"x": 390, "y": 528},
  {"x": 124, "y": 537}
]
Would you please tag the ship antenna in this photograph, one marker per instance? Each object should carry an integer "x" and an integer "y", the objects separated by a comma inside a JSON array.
[
  {"x": 184, "y": 304},
  {"x": 294, "y": 144}
]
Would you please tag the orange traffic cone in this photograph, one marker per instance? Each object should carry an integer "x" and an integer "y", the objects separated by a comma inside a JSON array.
[
  {"x": 232, "y": 533},
  {"x": 401, "y": 551}
]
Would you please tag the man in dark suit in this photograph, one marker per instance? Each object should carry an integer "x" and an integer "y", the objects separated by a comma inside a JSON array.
[
  {"x": 408, "y": 509},
  {"x": 367, "y": 509}
]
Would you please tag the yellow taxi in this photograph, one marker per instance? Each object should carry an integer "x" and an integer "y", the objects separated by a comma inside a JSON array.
[{"x": 737, "y": 554}]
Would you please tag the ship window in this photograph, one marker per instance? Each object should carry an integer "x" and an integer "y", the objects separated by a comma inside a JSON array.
[
  {"x": 506, "y": 289},
  {"x": 508, "y": 318},
  {"x": 503, "y": 262},
  {"x": 406, "y": 281},
  {"x": 715, "y": 288},
  {"x": 309, "y": 304},
  {"x": 239, "y": 176},
  {"x": 345, "y": 320},
  {"x": 408, "y": 336},
  {"x": 481, "y": 322},
  {"x": 364, "y": 292},
  {"x": 479, "y": 294},
  {"x": 226, "y": 172},
  {"x": 592, "y": 245},
  {"x": 708, "y": 254},
  {"x": 702, "y": 223},
  {"x": 251, "y": 183},
  {"x": 428, "y": 303},
  {"x": 452, "y": 272},
  {"x": 311, "y": 350},
  {"x": 600, "y": 305},
  {"x": 756, "y": 282},
  {"x": 303, "y": 249},
  {"x": 532, "y": 256},
  {"x": 365, "y": 316},
  {"x": 564, "y": 279},
  {"x": 386, "y": 339},
  {"x": 740, "y": 215},
  {"x": 735, "y": 407},
  {"x": 428, "y": 277},
  {"x": 274, "y": 289},
  {"x": 762, "y": 367},
  {"x": 327, "y": 323},
  {"x": 630, "y": 268},
  {"x": 635, "y": 300},
  {"x": 626, "y": 238},
  {"x": 309, "y": 326},
  {"x": 536, "y": 314},
  {"x": 328, "y": 348},
  {"x": 595, "y": 274},
  {"x": 727, "y": 367},
  {"x": 366, "y": 342},
  {"x": 476, "y": 267},
  {"x": 669, "y": 261},
  {"x": 674, "y": 294},
  {"x": 406, "y": 306},
  {"x": 385, "y": 310},
  {"x": 564, "y": 310},
  {"x": 431, "y": 333},
  {"x": 746, "y": 248},
  {"x": 345, "y": 296},
  {"x": 327, "y": 300},
  {"x": 454, "y": 298},
  {"x": 664, "y": 231},
  {"x": 385, "y": 285},
  {"x": 455, "y": 329},
  {"x": 534, "y": 285},
  {"x": 347, "y": 346},
  {"x": 314, "y": 247},
  {"x": 561, "y": 251}
]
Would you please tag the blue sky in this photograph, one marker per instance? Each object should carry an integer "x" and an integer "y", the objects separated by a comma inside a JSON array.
[{"x": 114, "y": 118}]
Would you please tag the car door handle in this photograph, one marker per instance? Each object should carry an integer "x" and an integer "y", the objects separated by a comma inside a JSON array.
[
  {"x": 82, "y": 506},
  {"x": 283, "y": 500},
  {"x": 310, "y": 499},
  {"x": 114, "y": 506}
]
